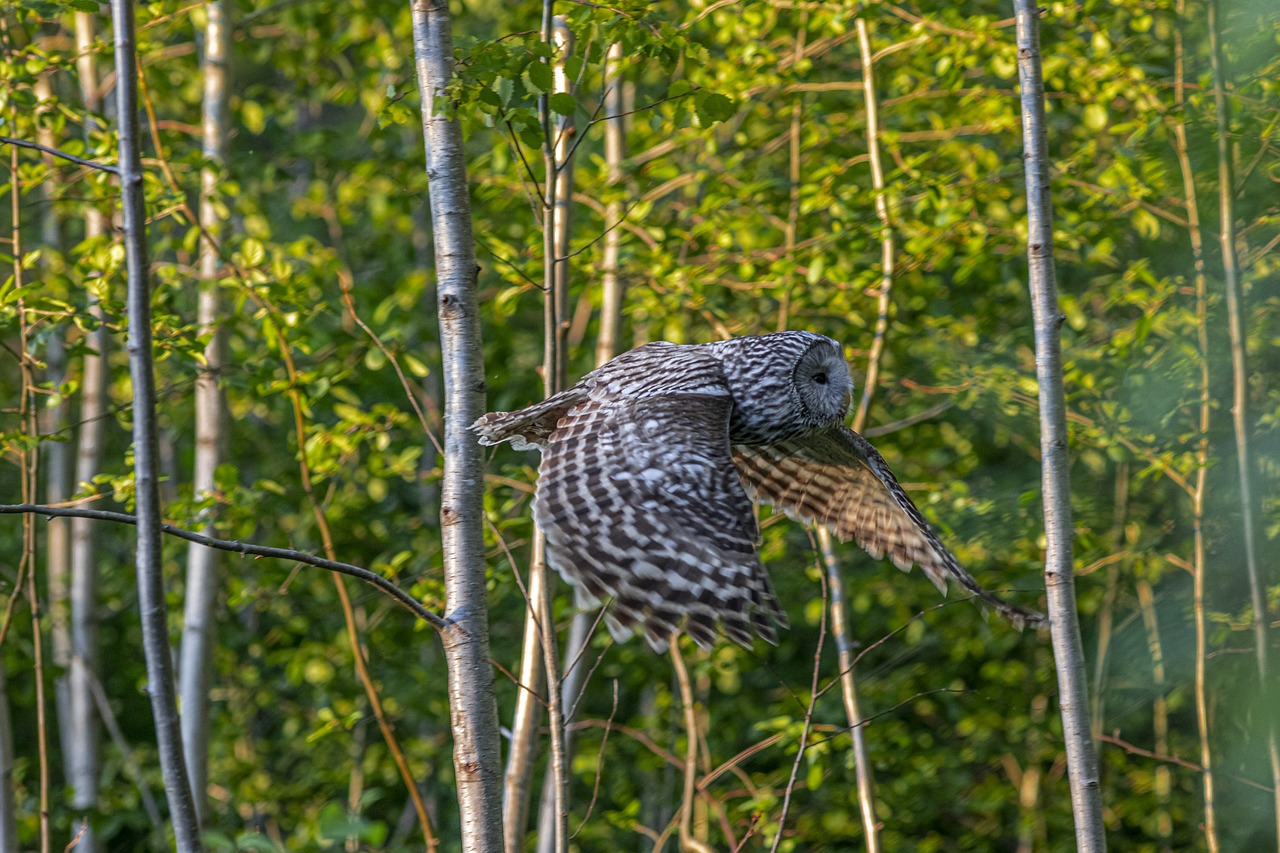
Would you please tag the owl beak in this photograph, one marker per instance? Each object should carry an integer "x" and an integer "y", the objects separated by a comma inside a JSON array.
[{"x": 848, "y": 400}]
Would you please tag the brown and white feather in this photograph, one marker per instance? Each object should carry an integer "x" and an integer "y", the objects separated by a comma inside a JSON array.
[{"x": 834, "y": 477}]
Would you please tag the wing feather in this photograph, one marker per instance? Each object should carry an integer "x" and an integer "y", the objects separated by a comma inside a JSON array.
[
  {"x": 837, "y": 479},
  {"x": 643, "y": 508}
]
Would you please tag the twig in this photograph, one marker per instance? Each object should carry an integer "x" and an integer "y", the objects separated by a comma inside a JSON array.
[
  {"x": 909, "y": 421},
  {"x": 1134, "y": 749},
  {"x": 35, "y": 146},
  {"x": 687, "y": 839},
  {"x": 127, "y": 758},
  {"x": 604, "y": 739},
  {"x": 244, "y": 548},
  {"x": 808, "y": 721}
]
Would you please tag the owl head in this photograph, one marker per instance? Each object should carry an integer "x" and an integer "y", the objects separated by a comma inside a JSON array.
[{"x": 784, "y": 385}]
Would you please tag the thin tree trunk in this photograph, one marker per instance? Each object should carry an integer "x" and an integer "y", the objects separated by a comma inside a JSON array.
[
  {"x": 689, "y": 842},
  {"x": 612, "y": 288},
  {"x": 83, "y": 762},
  {"x": 1196, "y": 238},
  {"x": 793, "y": 175},
  {"x": 1240, "y": 398},
  {"x": 1082, "y": 760},
  {"x": 539, "y": 648},
  {"x": 57, "y": 457},
  {"x": 474, "y": 711},
  {"x": 527, "y": 716},
  {"x": 151, "y": 598},
  {"x": 886, "y": 226},
  {"x": 559, "y": 182},
  {"x": 835, "y": 576},
  {"x": 29, "y": 475},
  {"x": 863, "y": 776},
  {"x": 612, "y": 291},
  {"x": 198, "y": 627}
]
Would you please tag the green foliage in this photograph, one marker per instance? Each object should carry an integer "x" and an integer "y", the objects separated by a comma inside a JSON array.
[{"x": 327, "y": 246}]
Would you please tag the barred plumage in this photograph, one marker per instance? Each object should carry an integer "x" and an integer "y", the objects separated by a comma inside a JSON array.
[{"x": 650, "y": 464}]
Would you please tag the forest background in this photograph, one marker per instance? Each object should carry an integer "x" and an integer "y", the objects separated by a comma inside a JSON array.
[{"x": 743, "y": 199}]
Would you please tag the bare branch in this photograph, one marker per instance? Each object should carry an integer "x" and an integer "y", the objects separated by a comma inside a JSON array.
[
  {"x": 244, "y": 548},
  {"x": 35, "y": 146}
]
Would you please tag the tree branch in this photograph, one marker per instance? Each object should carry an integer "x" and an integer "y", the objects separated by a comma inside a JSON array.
[
  {"x": 245, "y": 549},
  {"x": 35, "y": 146}
]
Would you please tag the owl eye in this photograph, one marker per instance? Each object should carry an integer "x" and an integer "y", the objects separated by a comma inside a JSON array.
[{"x": 820, "y": 378}]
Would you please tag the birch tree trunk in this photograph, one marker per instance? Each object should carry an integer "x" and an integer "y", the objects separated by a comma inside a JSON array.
[
  {"x": 199, "y": 631},
  {"x": 615, "y": 146},
  {"x": 151, "y": 601},
  {"x": 474, "y": 710},
  {"x": 56, "y": 466},
  {"x": 1082, "y": 761},
  {"x": 83, "y": 761}
]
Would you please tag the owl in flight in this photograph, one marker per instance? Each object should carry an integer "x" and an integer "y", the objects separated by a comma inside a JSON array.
[{"x": 650, "y": 465}]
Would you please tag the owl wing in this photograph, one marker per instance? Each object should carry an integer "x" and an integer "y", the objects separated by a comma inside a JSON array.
[
  {"x": 642, "y": 508},
  {"x": 836, "y": 478}
]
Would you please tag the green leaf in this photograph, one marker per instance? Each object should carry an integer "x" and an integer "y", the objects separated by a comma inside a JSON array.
[
  {"x": 712, "y": 107},
  {"x": 562, "y": 103},
  {"x": 414, "y": 365},
  {"x": 253, "y": 252},
  {"x": 537, "y": 77},
  {"x": 504, "y": 86}
]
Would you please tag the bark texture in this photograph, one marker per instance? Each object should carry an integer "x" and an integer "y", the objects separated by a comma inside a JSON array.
[
  {"x": 151, "y": 600},
  {"x": 474, "y": 716},
  {"x": 1073, "y": 699},
  {"x": 199, "y": 631}
]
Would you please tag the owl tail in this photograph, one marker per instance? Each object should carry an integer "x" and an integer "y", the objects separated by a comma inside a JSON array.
[{"x": 529, "y": 427}]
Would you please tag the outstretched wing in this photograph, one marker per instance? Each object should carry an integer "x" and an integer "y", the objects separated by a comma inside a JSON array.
[
  {"x": 836, "y": 478},
  {"x": 643, "y": 508}
]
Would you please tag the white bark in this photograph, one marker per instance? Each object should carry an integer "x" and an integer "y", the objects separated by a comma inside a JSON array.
[
  {"x": 83, "y": 760},
  {"x": 1073, "y": 698},
  {"x": 612, "y": 287},
  {"x": 474, "y": 717},
  {"x": 199, "y": 630},
  {"x": 56, "y": 465}
]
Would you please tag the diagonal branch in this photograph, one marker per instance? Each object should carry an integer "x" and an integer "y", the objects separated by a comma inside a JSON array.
[
  {"x": 245, "y": 548},
  {"x": 35, "y": 146}
]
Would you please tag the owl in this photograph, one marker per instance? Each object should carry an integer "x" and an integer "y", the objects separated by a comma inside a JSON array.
[{"x": 651, "y": 463}]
